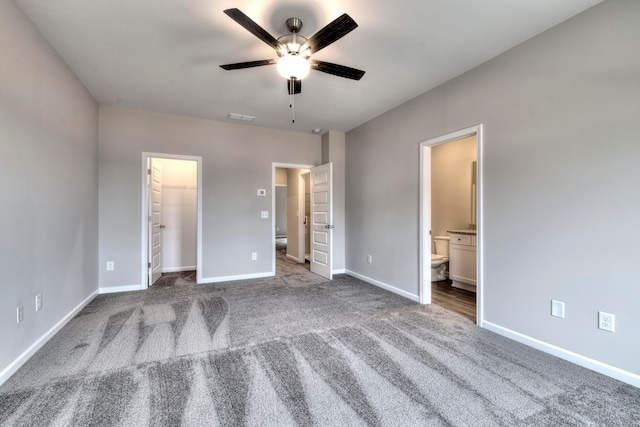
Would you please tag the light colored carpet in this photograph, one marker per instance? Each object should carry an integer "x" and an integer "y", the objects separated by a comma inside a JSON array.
[{"x": 297, "y": 350}]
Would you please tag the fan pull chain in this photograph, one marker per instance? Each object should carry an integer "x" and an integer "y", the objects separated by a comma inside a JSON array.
[{"x": 291, "y": 100}]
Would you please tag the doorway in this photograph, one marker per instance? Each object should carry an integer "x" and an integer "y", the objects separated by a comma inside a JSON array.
[
  {"x": 309, "y": 216},
  {"x": 171, "y": 219},
  {"x": 289, "y": 214},
  {"x": 432, "y": 216}
]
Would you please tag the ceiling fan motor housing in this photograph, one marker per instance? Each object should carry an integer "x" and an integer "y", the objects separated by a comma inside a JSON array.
[{"x": 291, "y": 44}]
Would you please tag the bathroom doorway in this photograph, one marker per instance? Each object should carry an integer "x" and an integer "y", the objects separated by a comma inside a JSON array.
[{"x": 450, "y": 200}]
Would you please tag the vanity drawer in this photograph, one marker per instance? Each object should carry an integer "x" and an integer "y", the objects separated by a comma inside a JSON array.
[{"x": 460, "y": 239}]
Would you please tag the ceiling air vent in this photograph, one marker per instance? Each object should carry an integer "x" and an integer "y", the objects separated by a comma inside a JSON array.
[{"x": 241, "y": 117}]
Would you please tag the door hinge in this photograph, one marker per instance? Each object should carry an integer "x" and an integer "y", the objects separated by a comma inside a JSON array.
[
  {"x": 149, "y": 218},
  {"x": 148, "y": 171},
  {"x": 148, "y": 265}
]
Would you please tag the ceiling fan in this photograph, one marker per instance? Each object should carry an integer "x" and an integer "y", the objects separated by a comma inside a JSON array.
[{"x": 294, "y": 51}]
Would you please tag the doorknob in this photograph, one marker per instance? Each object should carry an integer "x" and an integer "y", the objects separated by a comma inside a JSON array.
[
  {"x": 163, "y": 226},
  {"x": 328, "y": 226}
]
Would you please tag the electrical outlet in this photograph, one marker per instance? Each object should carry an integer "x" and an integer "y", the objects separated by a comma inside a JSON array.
[
  {"x": 254, "y": 256},
  {"x": 369, "y": 259},
  {"x": 110, "y": 266},
  {"x": 606, "y": 321},
  {"x": 557, "y": 309},
  {"x": 38, "y": 302},
  {"x": 20, "y": 313},
  {"x": 264, "y": 214}
]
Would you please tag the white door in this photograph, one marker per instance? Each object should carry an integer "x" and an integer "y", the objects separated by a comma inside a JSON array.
[
  {"x": 321, "y": 220},
  {"x": 155, "y": 224}
]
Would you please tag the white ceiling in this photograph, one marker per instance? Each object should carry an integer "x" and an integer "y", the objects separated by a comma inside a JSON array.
[{"x": 164, "y": 55}]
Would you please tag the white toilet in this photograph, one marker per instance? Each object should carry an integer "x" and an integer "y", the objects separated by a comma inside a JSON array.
[{"x": 440, "y": 260}]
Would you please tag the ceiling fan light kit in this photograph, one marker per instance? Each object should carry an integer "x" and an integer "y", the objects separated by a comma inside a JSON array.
[
  {"x": 293, "y": 66},
  {"x": 294, "y": 51}
]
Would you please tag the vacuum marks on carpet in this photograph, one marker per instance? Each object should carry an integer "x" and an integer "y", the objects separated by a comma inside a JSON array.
[
  {"x": 146, "y": 333},
  {"x": 267, "y": 353}
]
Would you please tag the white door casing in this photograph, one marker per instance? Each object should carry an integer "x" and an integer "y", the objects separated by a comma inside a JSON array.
[
  {"x": 155, "y": 224},
  {"x": 321, "y": 220}
]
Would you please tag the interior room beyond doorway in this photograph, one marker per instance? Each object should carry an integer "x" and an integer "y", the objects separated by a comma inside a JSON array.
[
  {"x": 291, "y": 213},
  {"x": 453, "y": 188},
  {"x": 172, "y": 209}
]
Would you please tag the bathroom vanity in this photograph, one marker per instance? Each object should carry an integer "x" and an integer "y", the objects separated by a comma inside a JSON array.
[{"x": 462, "y": 259}]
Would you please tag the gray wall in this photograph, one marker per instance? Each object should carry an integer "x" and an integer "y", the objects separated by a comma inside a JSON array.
[
  {"x": 333, "y": 150},
  {"x": 49, "y": 183},
  {"x": 451, "y": 185},
  {"x": 561, "y": 183},
  {"x": 236, "y": 161},
  {"x": 281, "y": 211}
]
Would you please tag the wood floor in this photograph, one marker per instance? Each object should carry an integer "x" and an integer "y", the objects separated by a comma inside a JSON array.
[{"x": 454, "y": 299}]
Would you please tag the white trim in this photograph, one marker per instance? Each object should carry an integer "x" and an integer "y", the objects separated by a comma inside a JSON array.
[
  {"x": 339, "y": 271},
  {"x": 578, "y": 359},
  {"x": 126, "y": 288},
  {"x": 385, "y": 286},
  {"x": 275, "y": 165},
  {"x": 424, "y": 222},
  {"x": 424, "y": 287},
  {"x": 144, "y": 271},
  {"x": 296, "y": 259},
  {"x": 7, "y": 372},
  {"x": 234, "y": 278},
  {"x": 179, "y": 269}
]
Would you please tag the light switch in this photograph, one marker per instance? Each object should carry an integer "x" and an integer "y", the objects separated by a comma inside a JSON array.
[
  {"x": 557, "y": 308},
  {"x": 262, "y": 192}
]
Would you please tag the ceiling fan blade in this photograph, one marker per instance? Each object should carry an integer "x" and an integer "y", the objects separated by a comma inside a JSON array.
[
  {"x": 252, "y": 27},
  {"x": 336, "y": 70},
  {"x": 249, "y": 64},
  {"x": 334, "y": 31}
]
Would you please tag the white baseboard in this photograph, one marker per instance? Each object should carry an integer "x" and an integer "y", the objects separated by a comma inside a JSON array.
[
  {"x": 127, "y": 288},
  {"x": 6, "y": 373},
  {"x": 296, "y": 259},
  {"x": 382, "y": 285},
  {"x": 234, "y": 278},
  {"x": 578, "y": 359},
  {"x": 339, "y": 271},
  {"x": 178, "y": 269}
]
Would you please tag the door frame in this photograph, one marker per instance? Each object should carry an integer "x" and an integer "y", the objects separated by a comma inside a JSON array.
[
  {"x": 275, "y": 165},
  {"x": 425, "y": 214},
  {"x": 144, "y": 217}
]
